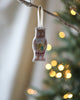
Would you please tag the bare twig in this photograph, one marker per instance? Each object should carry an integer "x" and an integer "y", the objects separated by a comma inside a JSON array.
[{"x": 46, "y": 11}]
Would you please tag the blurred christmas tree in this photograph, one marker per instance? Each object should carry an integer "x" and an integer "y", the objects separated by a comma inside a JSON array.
[{"x": 63, "y": 71}]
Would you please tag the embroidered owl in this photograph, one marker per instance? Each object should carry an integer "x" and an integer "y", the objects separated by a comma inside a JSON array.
[{"x": 39, "y": 44}]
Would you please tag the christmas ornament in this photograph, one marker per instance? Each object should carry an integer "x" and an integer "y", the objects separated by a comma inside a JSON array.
[{"x": 39, "y": 41}]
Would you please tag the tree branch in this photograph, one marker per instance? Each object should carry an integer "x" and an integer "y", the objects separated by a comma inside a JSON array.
[{"x": 46, "y": 11}]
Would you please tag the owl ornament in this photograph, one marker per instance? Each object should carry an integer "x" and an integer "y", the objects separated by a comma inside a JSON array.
[{"x": 39, "y": 42}]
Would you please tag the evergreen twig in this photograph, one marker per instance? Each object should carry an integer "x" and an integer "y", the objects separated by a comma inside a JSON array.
[
  {"x": 48, "y": 12},
  {"x": 77, "y": 13}
]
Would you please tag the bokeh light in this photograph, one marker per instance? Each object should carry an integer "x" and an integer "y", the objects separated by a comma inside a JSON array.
[
  {"x": 31, "y": 92},
  {"x": 52, "y": 73},
  {"x": 70, "y": 95},
  {"x": 59, "y": 75},
  {"x": 67, "y": 66},
  {"x": 62, "y": 35},
  {"x": 49, "y": 47},
  {"x": 65, "y": 96},
  {"x": 73, "y": 12},
  {"x": 60, "y": 67},
  {"x": 55, "y": 13},
  {"x": 67, "y": 71},
  {"x": 68, "y": 75},
  {"x": 54, "y": 63},
  {"x": 48, "y": 66}
]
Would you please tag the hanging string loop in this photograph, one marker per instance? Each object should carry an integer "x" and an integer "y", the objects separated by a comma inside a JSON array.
[{"x": 40, "y": 16}]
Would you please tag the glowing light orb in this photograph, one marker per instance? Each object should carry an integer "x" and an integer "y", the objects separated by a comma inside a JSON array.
[
  {"x": 49, "y": 47},
  {"x": 67, "y": 66},
  {"x": 59, "y": 75},
  {"x": 52, "y": 73},
  {"x": 62, "y": 35},
  {"x": 54, "y": 63},
  {"x": 55, "y": 13},
  {"x": 67, "y": 71},
  {"x": 73, "y": 12},
  {"x": 68, "y": 75},
  {"x": 60, "y": 67},
  {"x": 48, "y": 66},
  {"x": 70, "y": 95},
  {"x": 65, "y": 96},
  {"x": 31, "y": 92}
]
